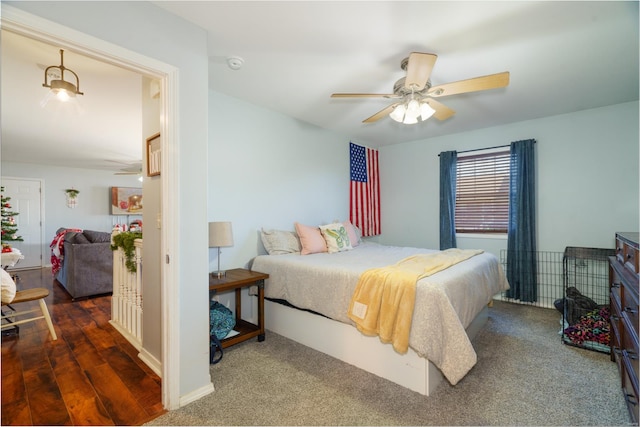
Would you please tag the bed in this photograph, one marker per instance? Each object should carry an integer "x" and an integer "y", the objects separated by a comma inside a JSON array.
[{"x": 308, "y": 299}]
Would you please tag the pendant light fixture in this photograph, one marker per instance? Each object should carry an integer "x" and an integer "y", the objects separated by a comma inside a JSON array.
[{"x": 60, "y": 88}]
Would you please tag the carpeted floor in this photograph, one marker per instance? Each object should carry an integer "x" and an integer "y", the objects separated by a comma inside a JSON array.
[{"x": 524, "y": 376}]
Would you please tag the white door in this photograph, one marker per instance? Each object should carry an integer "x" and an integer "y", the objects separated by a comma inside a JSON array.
[{"x": 26, "y": 200}]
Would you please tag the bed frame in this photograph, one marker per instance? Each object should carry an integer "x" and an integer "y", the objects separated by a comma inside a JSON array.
[{"x": 346, "y": 343}]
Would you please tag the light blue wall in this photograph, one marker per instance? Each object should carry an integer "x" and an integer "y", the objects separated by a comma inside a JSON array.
[
  {"x": 275, "y": 170},
  {"x": 270, "y": 170},
  {"x": 93, "y": 209},
  {"x": 587, "y": 171}
]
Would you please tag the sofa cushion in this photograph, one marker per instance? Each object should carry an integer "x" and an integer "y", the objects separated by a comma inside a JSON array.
[
  {"x": 97, "y": 236},
  {"x": 76, "y": 238}
]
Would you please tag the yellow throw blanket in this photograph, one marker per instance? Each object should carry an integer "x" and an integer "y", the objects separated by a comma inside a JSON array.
[{"x": 382, "y": 303}]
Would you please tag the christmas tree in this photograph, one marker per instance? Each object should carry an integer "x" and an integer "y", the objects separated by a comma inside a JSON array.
[{"x": 9, "y": 227}]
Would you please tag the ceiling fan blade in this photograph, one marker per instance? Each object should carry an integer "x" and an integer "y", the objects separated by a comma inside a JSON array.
[
  {"x": 364, "y": 95},
  {"x": 380, "y": 114},
  {"x": 419, "y": 69},
  {"x": 476, "y": 84},
  {"x": 442, "y": 111}
]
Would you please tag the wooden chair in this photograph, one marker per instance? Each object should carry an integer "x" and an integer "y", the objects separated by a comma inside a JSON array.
[{"x": 35, "y": 294}]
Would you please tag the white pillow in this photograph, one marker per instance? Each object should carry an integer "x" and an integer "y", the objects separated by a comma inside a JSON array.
[
  {"x": 8, "y": 287},
  {"x": 336, "y": 236},
  {"x": 278, "y": 242}
]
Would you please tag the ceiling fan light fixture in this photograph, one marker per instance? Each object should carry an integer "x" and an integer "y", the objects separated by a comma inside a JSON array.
[
  {"x": 413, "y": 108},
  {"x": 426, "y": 111},
  {"x": 398, "y": 113},
  {"x": 412, "y": 113},
  {"x": 410, "y": 120},
  {"x": 61, "y": 88}
]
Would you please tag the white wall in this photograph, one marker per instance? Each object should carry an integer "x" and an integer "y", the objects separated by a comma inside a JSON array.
[
  {"x": 269, "y": 170},
  {"x": 587, "y": 176},
  {"x": 93, "y": 209}
]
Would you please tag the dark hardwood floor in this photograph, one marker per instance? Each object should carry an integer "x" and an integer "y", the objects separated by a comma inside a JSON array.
[{"x": 90, "y": 375}]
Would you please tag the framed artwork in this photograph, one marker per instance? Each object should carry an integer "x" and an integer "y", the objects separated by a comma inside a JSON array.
[
  {"x": 126, "y": 201},
  {"x": 154, "y": 151}
]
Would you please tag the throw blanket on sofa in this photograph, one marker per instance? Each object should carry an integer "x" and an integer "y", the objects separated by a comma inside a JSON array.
[
  {"x": 382, "y": 303},
  {"x": 57, "y": 249}
]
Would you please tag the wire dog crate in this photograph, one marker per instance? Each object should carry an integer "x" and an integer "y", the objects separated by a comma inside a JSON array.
[{"x": 585, "y": 306}]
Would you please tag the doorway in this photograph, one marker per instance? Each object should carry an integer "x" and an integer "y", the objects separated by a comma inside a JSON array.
[
  {"x": 41, "y": 29},
  {"x": 26, "y": 198}
]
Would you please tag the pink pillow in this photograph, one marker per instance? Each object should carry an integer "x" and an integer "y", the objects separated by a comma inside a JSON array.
[
  {"x": 351, "y": 231},
  {"x": 311, "y": 239}
]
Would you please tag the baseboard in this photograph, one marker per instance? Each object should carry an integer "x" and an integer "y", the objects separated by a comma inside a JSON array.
[
  {"x": 196, "y": 394},
  {"x": 154, "y": 364},
  {"x": 134, "y": 341}
]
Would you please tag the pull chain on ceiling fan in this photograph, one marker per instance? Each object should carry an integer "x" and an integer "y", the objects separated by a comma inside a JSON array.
[{"x": 416, "y": 93}]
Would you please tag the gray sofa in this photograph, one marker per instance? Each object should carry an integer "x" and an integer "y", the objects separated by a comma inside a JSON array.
[{"x": 87, "y": 266}]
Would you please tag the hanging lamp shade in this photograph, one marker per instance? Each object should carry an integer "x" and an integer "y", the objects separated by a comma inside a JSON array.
[{"x": 61, "y": 88}]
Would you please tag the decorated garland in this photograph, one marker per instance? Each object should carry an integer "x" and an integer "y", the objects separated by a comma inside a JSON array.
[{"x": 125, "y": 240}]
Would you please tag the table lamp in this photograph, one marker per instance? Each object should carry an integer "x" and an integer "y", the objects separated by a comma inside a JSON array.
[{"x": 220, "y": 236}]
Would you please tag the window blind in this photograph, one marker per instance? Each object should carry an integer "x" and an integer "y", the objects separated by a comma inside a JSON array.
[{"x": 482, "y": 193}]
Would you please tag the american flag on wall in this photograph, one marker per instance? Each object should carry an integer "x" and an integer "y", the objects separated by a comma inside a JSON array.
[{"x": 364, "y": 192}]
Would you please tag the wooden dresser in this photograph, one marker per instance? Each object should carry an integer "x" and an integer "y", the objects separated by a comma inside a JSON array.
[{"x": 623, "y": 282}]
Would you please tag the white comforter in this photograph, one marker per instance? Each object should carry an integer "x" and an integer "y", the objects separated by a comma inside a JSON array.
[{"x": 446, "y": 302}]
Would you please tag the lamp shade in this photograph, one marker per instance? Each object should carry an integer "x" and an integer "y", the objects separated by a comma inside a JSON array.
[
  {"x": 426, "y": 111},
  {"x": 220, "y": 234},
  {"x": 398, "y": 113}
]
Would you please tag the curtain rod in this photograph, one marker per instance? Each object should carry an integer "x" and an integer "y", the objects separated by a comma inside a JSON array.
[{"x": 487, "y": 148}]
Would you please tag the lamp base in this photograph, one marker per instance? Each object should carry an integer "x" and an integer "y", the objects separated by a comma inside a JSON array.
[{"x": 219, "y": 274}]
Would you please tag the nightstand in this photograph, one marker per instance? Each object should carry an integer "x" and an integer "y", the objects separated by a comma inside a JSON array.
[{"x": 237, "y": 279}]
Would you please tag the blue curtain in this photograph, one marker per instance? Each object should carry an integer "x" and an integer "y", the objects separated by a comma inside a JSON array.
[
  {"x": 521, "y": 237},
  {"x": 448, "y": 160}
]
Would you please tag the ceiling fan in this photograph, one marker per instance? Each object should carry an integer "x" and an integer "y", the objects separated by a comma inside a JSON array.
[
  {"x": 130, "y": 172},
  {"x": 133, "y": 168},
  {"x": 416, "y": 94}
]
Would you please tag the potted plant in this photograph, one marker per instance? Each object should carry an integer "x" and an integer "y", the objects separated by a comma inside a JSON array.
[{"x": 72, "y": 193}]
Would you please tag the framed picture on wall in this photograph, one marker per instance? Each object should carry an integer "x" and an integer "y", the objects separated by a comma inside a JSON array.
[
  {"x": 126, "y": 201},
  {"x": 154, "y": 152}
]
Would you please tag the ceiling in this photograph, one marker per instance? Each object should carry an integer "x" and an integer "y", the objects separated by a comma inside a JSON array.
[
  {"x": 562, "y": 57},
  {"x": 99, "y": 130}
]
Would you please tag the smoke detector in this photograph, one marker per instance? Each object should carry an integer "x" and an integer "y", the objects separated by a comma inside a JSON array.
[{"x": 235, "y": 62}]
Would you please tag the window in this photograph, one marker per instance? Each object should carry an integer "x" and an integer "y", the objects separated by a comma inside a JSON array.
[{"x": 482, "y": 193}]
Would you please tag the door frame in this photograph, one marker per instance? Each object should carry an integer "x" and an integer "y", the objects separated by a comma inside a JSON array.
[{"x": 35, "y": 27}]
